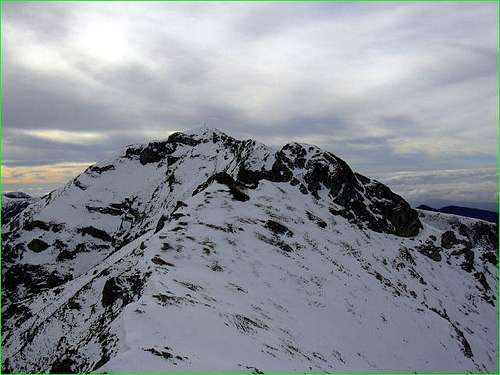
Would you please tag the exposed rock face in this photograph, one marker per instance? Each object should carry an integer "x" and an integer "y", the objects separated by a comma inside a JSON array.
[
  {"x": 359, "y": 199},
  {"x": 429, "y": 250},
  {"x": 123, "y": 289},
  {"x": 97, "y": 233},
  {"x": 13, "y": 203},
  {"x": 204, "y": 252},
  {"x": 448, "y": 239}
]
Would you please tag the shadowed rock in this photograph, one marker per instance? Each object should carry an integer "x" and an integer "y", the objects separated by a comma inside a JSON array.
[
  {"x": 278, "y": 228},
  {"x": 37, "y": 245},
  {"x": 97, "y": 233},
  {"x": 448, "y": 239}
]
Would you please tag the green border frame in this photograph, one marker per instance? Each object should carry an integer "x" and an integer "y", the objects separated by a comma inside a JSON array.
[{"x": 257, "y": 1}]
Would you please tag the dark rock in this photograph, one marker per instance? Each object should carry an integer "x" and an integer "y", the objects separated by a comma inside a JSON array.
[
  {"x": 99, "y": 170},
  {"x": 79, "y": 185},
  {"x": 490, "y": 257},
  {"x": 160, "y": 262},
  {"x": 17, "y": 312},
  {"x": 485, "y": 234},
  {"x": 55, "y": 279},
  {"x": 349, "y": 190},
  {"x": 468, "y": 263},
  {"x": 124, "y": 287},
  {"x": 166, "y": 246},
  {"x": 235, "y": 187},
  {"x": 448, "y": 239},
  {"x": 247, "y": 325},
  {"x": 177, "y": 216},
  {"x": 163, "y": 354},
  {"x": 183, "y": 139},
  {"x": 171, "y": 180},
  {"x": 155, "y": 152},
  {"x": 64, "y": 365},
  {"x": 430, "y": 251},
  {"x": 105, "y": 210},
  {"x": 19, "y": 202},
  {"x": 56, "y": 227},
  {"x": 279, "y": 172},
  {"x": 278, "y": 228},
  {"x": 404, "y": 253},
  {"x": 66, "y": 255},
  {"x": 171, "y": 160},
  {"x": 94, "y": 232},
  {"x": 346, "y": 189},
  {"x": 37, "y": 245},
  {"x": 111, "y": 292},
  {"x": 32, "y": 277},
  {"x": 36, "y": 224},
  {"x": 280, "y": 244},
  {"x": 80, "y": 248},
  {"x": 161, "y": 223},
  {"x": 73, "y": 304},
  {"x": 12, "y": 253},
  {"x": 404, "y": 219},
  {"x": 178, "y": 205},
  {"x": 482, "y": 280},
  {"x": 462, "y": 229},
  {"x": 465, "y": 346},
  {"x": 319, "y": 222},
  {"x": 216, "y": 267}
]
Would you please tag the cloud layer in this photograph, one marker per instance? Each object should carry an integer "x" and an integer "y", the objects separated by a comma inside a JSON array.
[
  {"x": 386, "y": 87},
  {"x": 457, "y": 185}
]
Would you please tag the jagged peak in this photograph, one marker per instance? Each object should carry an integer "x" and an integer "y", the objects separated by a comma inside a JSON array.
[
  {"x": 306, "y": 150},
  {"x": 202, "y": 130}
]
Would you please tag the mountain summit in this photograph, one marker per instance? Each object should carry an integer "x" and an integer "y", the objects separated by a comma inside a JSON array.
[{"x": 207, "y": 253}]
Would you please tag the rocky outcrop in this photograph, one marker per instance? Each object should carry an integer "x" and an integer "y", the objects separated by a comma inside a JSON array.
[
  {"x": 363, "y": 201},
  {"x": 96, "y": 233},
  {"x": 37, "y": 245},
  {"x": 448, "y": 239},
  {"x": 13, "y": 203}
]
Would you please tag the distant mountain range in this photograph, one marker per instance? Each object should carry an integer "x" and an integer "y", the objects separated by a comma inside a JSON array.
[
  {"x": 481, "y": 205},
  {"x": 474, "y": 213}
]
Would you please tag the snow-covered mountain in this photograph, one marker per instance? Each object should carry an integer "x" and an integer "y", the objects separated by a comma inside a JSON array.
[
  {"x": 203, "y": 252},
  {"x": 13, "y": 203}
]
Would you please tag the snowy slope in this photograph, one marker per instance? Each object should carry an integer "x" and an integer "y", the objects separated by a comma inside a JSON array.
[{"x": 203, "y": 252}]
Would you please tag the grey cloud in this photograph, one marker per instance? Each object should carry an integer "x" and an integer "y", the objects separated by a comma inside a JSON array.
[
  {"x": 357, "y": 79},
  {"x": 35, "y": 101},
  {"x": 462, "y": 185},
  {"x": 48, "y": 22}
]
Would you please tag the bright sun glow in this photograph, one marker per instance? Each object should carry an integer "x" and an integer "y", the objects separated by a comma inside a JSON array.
[
  {"x": 103, "y": 41},
  {"x": 43, "y": 59}
]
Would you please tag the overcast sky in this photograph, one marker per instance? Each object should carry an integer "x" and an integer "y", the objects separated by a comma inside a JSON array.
[{"x": 405, "y": 93}]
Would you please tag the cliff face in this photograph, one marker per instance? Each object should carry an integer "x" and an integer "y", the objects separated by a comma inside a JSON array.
[
  {"x": 203, "y": 252},
  {"x": 13, "y": 203}
]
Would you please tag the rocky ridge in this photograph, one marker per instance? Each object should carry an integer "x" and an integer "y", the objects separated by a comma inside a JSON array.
[{"x": 285, "y": 255}]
